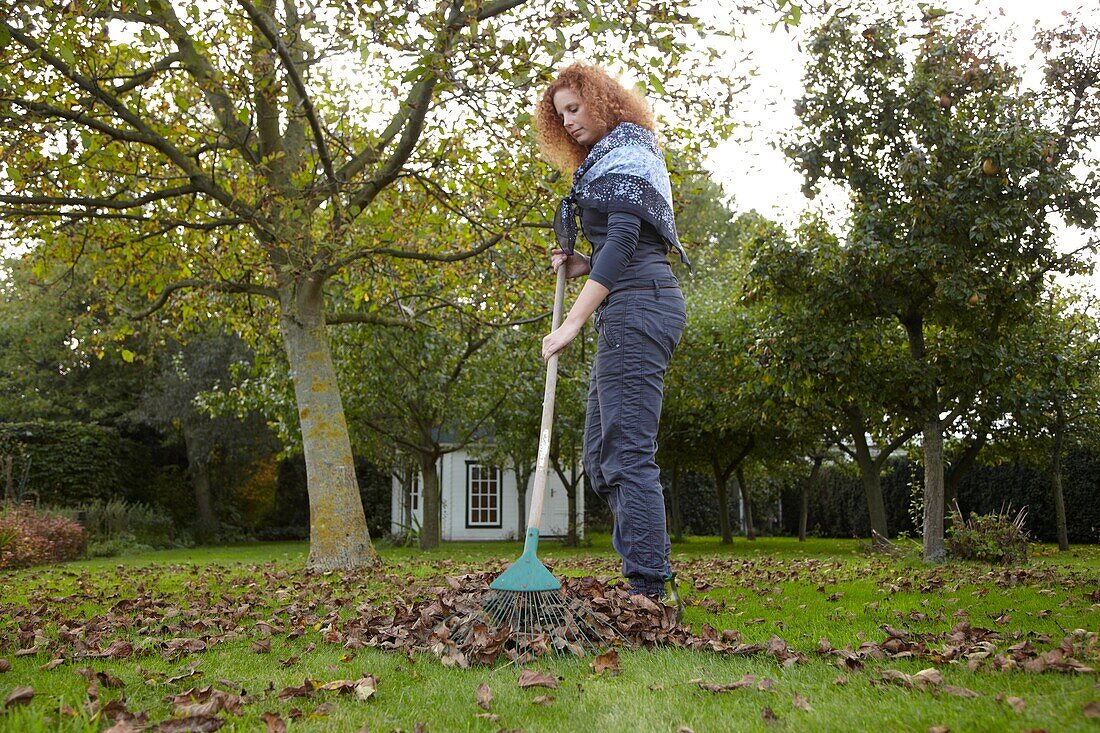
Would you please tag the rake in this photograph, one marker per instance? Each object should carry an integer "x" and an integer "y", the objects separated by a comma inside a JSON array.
[{"x": 526, "y": 597}]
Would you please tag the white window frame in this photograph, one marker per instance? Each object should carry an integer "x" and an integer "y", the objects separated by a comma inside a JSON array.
[{"x": 484, "y": 481}]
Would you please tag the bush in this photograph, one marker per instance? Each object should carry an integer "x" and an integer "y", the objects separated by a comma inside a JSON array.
[
  {"x": 115, "y": 527},
  {"x": 994, "y": 538},
  {"x": 29, "y": 536}
]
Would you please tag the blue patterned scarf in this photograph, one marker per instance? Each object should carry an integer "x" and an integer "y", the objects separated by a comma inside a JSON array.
[{"x": 624, "y": 171}]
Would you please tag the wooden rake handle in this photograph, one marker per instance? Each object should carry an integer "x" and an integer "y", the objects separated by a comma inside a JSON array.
[{"x": 542, "y": 465}]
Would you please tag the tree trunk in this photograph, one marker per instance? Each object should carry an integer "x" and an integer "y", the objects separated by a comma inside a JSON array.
[
  {"x": 959, "y": 468},
  {"x": 1056, "y": 481},
  {"x": 804, "y": 510},
  {"x": 871, "y": 480},
  {"x": 571, "y": 482},
  {"x": 571, "y": 539},
  {"x": 750, "y": 528},
  {"x": 431, "y": 501},
  {"x": 720, "y": 479},
  {"x": 677, "y": 519},
  {"x": 932, "y": 439},
  {"x": 408, "y": 484},
  {"x": 338, "y": 536},
  {"x": 198, "y": 468},
  {"x": 523, "y": 479}
]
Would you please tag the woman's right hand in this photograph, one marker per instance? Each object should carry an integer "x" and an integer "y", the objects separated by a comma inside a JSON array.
[{"x": 575, "y": 264}]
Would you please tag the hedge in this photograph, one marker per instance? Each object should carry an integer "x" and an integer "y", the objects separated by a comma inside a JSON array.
[
  {"x": 838, "y": 507},
  {"x": 70, "y": 462}
]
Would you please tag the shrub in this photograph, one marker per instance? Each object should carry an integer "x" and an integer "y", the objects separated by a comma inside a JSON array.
[
  {"x": 29, "y": 536},
  {"x": 994, "y": 538},
  {"x": 116, "y": 526}
]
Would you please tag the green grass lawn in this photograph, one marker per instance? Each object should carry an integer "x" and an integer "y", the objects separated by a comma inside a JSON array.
[{"x": 800, "y": 592}]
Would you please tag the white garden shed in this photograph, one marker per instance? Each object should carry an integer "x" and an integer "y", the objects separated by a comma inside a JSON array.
[{"x": 479, "y": 502}]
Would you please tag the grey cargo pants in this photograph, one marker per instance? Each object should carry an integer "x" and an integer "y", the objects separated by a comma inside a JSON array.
[{"x": 638, "y": 331}]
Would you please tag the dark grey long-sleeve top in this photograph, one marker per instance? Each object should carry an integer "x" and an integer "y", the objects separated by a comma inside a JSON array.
[{"x": 627, "y": 252}]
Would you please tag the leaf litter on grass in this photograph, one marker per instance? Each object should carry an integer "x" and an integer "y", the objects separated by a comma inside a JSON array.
[{"x": 391, "y": 610}]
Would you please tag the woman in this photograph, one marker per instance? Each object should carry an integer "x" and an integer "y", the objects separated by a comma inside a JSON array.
[{"x": 589, "y": 122}]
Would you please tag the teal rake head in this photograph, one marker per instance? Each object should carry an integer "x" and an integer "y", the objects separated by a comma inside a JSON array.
[
  {"x": 527, "y": 574},
  {"x": 530, "y": 601}
]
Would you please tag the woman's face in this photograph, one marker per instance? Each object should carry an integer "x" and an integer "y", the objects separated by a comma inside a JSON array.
[{"x": 576, "y": 117}]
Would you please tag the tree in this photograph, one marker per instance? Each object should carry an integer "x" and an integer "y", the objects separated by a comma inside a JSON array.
[
  {"x": 45, "y": 373},
  {"x": 1055, "y": 391},
  {"x": 845, "y": 374},
  {"x": 174, "y": 402},
  {"x": 956, "y": 173},
  {"x": 265, "y": 150}
]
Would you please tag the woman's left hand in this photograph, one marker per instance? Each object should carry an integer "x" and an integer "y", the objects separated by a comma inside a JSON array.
[{"x": 558, "y": 339}]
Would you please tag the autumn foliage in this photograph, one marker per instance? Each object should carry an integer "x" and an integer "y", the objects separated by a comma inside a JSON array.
[{"x": 32, "y": 537}]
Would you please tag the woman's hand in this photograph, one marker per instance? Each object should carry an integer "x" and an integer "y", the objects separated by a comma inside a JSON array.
[
  {"x": 558, "y": 339},
  {"x": 575, "y": 264}
]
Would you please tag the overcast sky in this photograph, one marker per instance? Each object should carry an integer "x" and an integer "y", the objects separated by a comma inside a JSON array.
[{"x": 759, "y": 176}]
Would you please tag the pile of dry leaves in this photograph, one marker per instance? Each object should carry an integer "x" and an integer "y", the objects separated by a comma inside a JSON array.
[{"x": 433, "y": 624}]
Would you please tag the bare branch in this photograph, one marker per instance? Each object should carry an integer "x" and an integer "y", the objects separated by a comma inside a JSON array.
[
  {"x": 332, "y": 319},
  {"x": 423, "y": 256},
  {"x": 410, "y": 118},
  {"x": 266, "y": 26},
  {"x": 99, "y": 203},
  {"x": 143, "y": 76},
  {"x": 207, "y": 76},
  {"x": 191, "y": 284},
  {"x": 143, "y": 133}
]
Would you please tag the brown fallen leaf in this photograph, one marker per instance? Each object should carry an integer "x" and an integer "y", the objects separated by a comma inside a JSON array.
[
  {"x": 192, "y": 672},
  {"x": 939, "y": 729},
  {"x": 19, "y": 696},
  {"x": 922, "y": 680},
  {"x": 531, "y": 678},
  {"x": 420, "y": 728},
  {"x": 324, "y": 709},
  {"x": 484, "y": 696},
  {"x": 1092, "y": 710},
  {"x": 133, "y": 725},
  {"x": 746, "y": 681},
  {"x": 491, "y": 717},
  {"x": 274, "y": 723},
  {"x": 197, "y": 724},
  {"x": 801, "y": 703},
  {"x": 841, "y": 680},
  {"x": 340, "y": 686},
  {"x": 959, "y": 691},
  {"x": 768, "y": 716},
  {"x": 261, "y": 646},
  {"x": 5, "y": 666},
  {"x": 366, "y": 687},
  {"x": 684, "y": 729},
  {"x": 305, "y": 690},
  {"x": 117, "y": 650},
  {"x": 607, "y": 662},
  {"x": 544, "y": 700},
  {"x": 1016, "y": 703}
]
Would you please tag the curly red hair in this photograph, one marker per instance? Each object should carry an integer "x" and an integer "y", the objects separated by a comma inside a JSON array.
[{"x": 610, "y": 102}]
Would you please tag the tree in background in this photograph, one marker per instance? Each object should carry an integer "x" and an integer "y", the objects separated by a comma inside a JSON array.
[
  {"x": 957, "y": 175},
  {"x": 46, "y": 373},
  {"x": 174, "y": 402},
  {"x": 1054, "y": 400},
  {"x": 849, "y": 375},
  {"x": 266, "y": 150}
]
